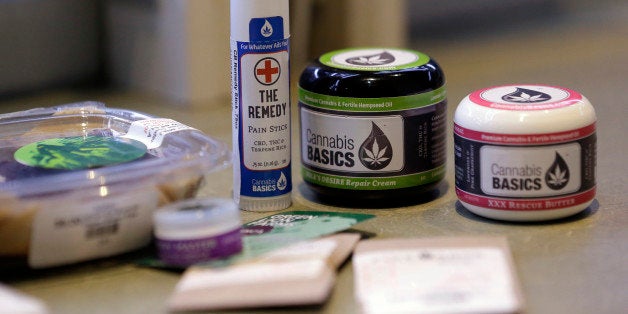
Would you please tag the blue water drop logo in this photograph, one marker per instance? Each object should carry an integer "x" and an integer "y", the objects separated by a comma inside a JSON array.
[{"x": 282, "y": 183}]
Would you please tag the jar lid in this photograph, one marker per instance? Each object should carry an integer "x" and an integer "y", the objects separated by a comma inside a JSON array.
[
  {"x": 196, "y": 217},
  {"x": 259, "y": 20},
  {"x": 524, "y": 109},
  {"x": 372, "y": 72}
]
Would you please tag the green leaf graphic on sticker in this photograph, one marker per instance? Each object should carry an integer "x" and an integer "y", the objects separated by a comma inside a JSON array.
[{"x": 73, "y": 153}]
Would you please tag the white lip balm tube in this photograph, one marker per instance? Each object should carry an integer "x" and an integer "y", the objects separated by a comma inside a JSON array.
[{"x": 260, "y": 77}]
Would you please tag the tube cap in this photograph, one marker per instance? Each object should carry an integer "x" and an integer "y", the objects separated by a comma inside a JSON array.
[{"x": 244, "y": 11}]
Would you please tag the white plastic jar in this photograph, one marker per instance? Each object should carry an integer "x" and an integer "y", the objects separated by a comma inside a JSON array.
[
  {"x": 525, "y": 152},
  {"x": 197, "y": 230}
]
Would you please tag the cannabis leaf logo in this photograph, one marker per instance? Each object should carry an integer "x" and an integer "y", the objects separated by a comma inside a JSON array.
[
  {"x": 267, "y": 29},
  {"x": 376, "y": 156},
  {"x": 557, "y": 176},
  {"x": 376, "y": 151},
  {"x": 524, "y": 95},
  {"x": 377, "y": 59},
  {"x": 370, "y": 61}
]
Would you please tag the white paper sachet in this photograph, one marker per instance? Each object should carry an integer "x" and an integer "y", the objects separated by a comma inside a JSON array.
[
  {"x": 300, "y": 274},
  {"x": 15, "y": 302},
  {"x": 437, "y": 275}
]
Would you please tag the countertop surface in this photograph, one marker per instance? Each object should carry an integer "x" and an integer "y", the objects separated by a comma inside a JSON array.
[{"x": 573, "y": 265}]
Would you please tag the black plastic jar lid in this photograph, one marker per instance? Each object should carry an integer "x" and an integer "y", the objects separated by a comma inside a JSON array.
[{"x": 372, "y": 73}]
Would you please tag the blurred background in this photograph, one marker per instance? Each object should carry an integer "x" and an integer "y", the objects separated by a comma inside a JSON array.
[
  {"x": 170, "y": 58},
  {"x": 177, "y": 50}
]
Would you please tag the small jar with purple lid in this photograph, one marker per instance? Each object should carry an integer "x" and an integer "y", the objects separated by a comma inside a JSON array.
[{"x": 197, "y": 230}]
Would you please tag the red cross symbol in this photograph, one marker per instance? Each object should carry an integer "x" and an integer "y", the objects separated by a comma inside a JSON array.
[{"x": 267, "y": 71}]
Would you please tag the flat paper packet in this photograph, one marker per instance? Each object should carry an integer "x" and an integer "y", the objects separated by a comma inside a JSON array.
[
  {"x": 436, "y": 275},
  {"x": 299, "y": 274}
]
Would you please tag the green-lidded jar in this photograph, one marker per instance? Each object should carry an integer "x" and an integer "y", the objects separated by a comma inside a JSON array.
[{"x": 373, "y": 126}]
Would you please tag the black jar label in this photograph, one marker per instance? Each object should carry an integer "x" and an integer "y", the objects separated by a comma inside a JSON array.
[{"x": 373, "y": 143}]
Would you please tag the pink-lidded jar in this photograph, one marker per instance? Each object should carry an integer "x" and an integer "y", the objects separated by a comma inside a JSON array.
[{"x": 525, "y": 152}]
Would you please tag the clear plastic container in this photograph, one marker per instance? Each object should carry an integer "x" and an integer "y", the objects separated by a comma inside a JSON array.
[{"x": 57, "y": 217}]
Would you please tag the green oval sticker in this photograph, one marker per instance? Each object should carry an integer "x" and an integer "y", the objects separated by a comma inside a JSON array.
[
  {"x": 74, "y": 153},
  {"x": 374, "y": 59}
]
